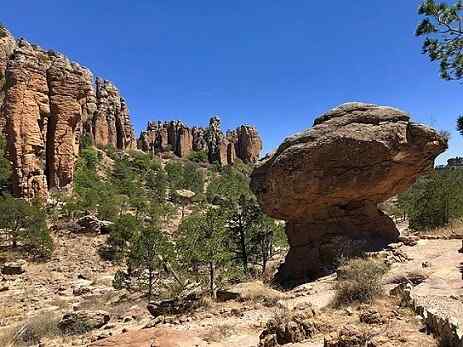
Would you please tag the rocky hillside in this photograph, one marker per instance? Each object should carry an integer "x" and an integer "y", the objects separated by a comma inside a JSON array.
[{"x": 49, "y": 103}]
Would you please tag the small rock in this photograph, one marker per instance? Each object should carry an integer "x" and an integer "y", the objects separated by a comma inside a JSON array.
[
  {"x": 14, "y": 267},
  {"x": 82, "y": 321}
]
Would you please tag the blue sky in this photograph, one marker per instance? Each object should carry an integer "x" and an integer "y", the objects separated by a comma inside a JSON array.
[{"x": 274, "y": 64}]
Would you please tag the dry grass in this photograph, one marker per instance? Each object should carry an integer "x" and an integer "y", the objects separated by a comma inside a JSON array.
[
  {"x": 32, "y": 331},
  {"x": 6, "y": 313},
  {"x": 452, "y": 231},
  {"x": 257, "y": 292},
  {"x": 62, "y": 304},
  {"x": 359, "y": 280},
  {"x": 219, "y": 332}
]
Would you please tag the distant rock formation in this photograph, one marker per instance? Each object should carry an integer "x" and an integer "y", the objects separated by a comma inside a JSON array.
[
  {"x": 243, "y": 143},
  {"x": 326, "y": 183},
  {"x": 456, "y": 162},
  {"x": 47, "y": 103}
]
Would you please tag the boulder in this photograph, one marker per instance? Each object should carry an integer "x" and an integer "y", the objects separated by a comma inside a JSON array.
[
  {"x": 82, "y": 321},
  {"x": 91, "y": 224},
  {"x": 348, "y": 336},
  {"x": 327, "y": 181},
  {"x": 282, "y": 329},
  {"x": 14, "y": 267}
]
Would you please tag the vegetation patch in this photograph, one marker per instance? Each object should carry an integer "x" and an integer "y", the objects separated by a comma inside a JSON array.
[{"x": 359, "y": 280}]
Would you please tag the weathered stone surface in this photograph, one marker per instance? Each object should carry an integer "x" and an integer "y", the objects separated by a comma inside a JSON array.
[
  {"x": 47, "y": 103},
  {"x": 82, "y": 321},
  {"x": 243, "y": 143},
  {"x": 111, "y": 123},
  {"x": 248, "y": 144},
  {"x": 7, "y": 46},
  {"x": 27, "y": 110},
  {"x": 326, "y": 182}
]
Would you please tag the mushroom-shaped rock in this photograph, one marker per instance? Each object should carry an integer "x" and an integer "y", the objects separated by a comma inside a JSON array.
[{"x": 326, "y": 183}]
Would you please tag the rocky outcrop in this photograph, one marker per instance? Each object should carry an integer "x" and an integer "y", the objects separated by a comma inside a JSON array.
[
  {"x": 111, "y": 123},
  {"x": 326, "y": 183},
  {"x": 47, "y": 103},
  {"x": 243, "y": 143},
  {"x": 7, "y": 46}
]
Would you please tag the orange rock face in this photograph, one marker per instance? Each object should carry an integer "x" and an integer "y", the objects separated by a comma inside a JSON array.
[
  {"x": 326, "y": 182},
  {"x": 47, "y": 103}
]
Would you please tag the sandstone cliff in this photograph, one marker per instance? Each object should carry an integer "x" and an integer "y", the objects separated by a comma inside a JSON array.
[
  {"x": 243, "y": 143},
  {"x": 326, "y": 182},
  {"x": 47, "y": 103}
]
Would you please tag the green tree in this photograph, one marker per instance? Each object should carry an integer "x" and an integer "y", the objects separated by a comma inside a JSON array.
[
  {"x": 434, "y": 200},
  {"x": 184, "y": 176},
  {"x": 228, "y": 186},
  {"x": 5, "y": 167},
  {"x": 442, "y": 27},
  {"x": 122, "y": 234},
  {"x": 202, "y": 241},
  {"x": 24, "y": 223},
  {"x": 149, "y": 254},
  {"x": 443, "y": 32},
  {"x": 251, "y": 233},
  {"x": 244, "y": 215}
]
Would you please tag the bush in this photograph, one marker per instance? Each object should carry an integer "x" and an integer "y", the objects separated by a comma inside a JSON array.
[
  {"x": 24, "y": 223},
  {"x": 198, "y": 157},
  {"x": 85, "y": 142},
  {"x": 359, "y": 280}
]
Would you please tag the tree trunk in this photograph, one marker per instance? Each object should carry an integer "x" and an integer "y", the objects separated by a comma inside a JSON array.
[
  {"x": 150, "y": 284},
  {"x": 212, "y": 280},
  {"x": 244, "y": 253}
]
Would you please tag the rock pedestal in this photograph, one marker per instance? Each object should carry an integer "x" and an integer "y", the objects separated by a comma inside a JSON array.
[{"x": 326, "y": 183}]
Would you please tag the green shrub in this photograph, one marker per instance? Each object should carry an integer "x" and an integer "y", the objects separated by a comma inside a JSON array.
[
  {"x": 360, "y": 279},
  {"x": 198, "y": 157},
  {"x": 24, "y": 223},
  {"x": 85, "y": 142}
]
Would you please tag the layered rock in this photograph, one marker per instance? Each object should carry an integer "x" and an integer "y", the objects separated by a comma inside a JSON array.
[
  {"x": 243, "y": 143},
  {"x": 326, "y": 183},
  {"x": 47, "y": 103}
]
